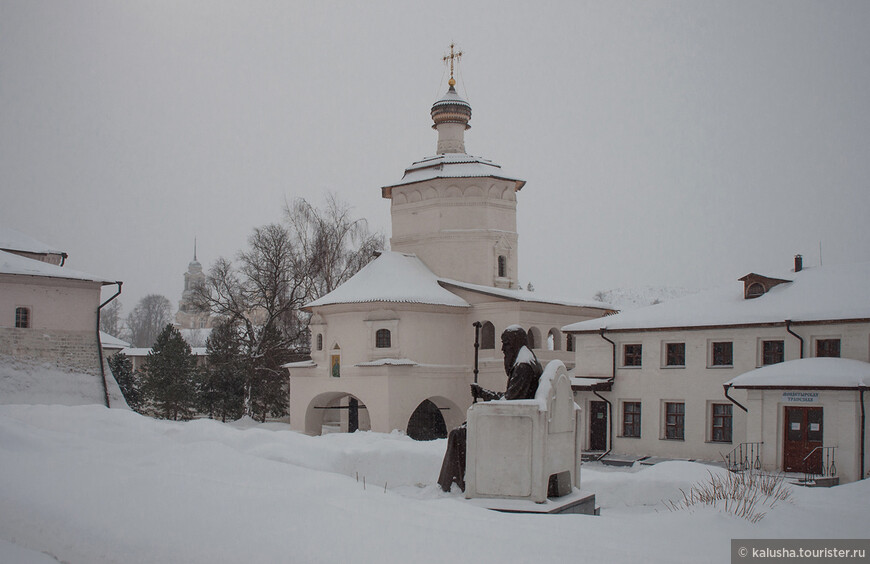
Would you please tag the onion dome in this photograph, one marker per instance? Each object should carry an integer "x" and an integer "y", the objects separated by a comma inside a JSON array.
[{"x": 451, "y": 109}]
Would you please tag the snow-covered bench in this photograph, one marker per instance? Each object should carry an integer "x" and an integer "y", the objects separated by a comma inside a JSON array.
[{"x": 517, "y": 449}]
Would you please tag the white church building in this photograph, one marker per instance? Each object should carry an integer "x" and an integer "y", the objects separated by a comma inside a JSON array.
[{"x": 393, "y": 348}]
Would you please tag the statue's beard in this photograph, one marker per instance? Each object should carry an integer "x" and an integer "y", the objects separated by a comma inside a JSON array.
[{"x": 509, "y": 360}]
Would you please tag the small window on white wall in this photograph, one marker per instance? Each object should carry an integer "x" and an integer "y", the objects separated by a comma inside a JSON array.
[
  {"x": 320, "y": 341},
  {"x": 22, "y": 317},
  {"x": 487, "y": 335},
  {"x": 383, "y": 339},
  {"x": 502, "y": 266}
]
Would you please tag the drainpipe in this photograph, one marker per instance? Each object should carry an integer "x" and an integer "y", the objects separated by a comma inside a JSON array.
[
  {"x": 100, "y": 344},
  {"x": 863, "y": 431},
  {"x": 609, "y": 405},
  {"x": 732, "y": 400},
  {"x": 799, "y": 338}
]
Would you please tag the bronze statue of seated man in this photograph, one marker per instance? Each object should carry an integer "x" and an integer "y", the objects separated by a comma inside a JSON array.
[{"x": 523, "y": 371}]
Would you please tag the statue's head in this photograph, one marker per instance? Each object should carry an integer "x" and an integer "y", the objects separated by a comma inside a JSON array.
[{"x": 512, "y": 340}]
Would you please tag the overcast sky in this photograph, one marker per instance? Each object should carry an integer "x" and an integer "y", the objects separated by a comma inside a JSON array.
[{"x": 664, "y": 143}]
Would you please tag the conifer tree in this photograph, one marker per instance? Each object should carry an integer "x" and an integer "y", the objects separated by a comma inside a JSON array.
[
  {"x": 122, "y": 369},
  {"x": 268, "y": 385},
  {"x": 169, "y": 377},
  {"x": 222, "y": 394}
]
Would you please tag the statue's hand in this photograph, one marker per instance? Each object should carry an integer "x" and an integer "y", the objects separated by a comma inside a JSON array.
[{"x": 475, "y": 391}]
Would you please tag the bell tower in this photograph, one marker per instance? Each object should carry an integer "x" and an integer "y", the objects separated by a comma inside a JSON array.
[{"x": 457, "y": 212}]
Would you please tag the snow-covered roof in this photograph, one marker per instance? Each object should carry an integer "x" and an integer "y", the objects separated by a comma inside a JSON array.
[
  {"x": 300, "y": 364},
  {"x": 110, "y": 342},
  {"x": 829, "y": 293},
  {"x": 15, "y": 264},
  {"x": 392, "y": 277},
  {"x": 388, "y": 362},
  {"x": 145, "y": 351},
  {"x": 451, "y": 165},
  {"x": 14, "y": 240},
  {"x": 807, "y": 373},
  {"x": 520, "y": 295}
]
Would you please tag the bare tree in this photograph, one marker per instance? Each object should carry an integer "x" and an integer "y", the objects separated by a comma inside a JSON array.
[
  {"x": 110, "y": 319},
  {"x": 336, "y": 244},
  {"x": 150, "y": 316}
]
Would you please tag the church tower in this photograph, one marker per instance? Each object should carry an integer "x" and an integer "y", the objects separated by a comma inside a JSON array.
[
  {"x": 457, "y": 212},
  {"x": 188, "y": 317}
]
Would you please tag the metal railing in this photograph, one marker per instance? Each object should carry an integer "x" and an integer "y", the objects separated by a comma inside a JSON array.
[
  {"x": 825, "y": 462},
  {"x": 745, "y": 456}
]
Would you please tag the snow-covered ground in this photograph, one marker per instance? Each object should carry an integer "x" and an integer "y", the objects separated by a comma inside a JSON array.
[{"x": 85, "y": 484}]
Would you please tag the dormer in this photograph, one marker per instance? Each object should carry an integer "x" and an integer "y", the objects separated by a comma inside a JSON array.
[{"x": 756, "y": 285}]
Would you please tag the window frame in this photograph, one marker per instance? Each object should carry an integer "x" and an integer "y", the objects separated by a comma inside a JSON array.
[
  {"x": 635, "y": 356},
  {"x": 678, "y": 424},
  {"x": 631, "y": 419},
  {"x": 713, "y": 361},
  {"x": 726, "y": 421},
  {"x": 763, "y": 360},
  {"x": 666, "y": 355},
  {"x": 383, "y": 338},
  {"x": 818, "y": 342},
  {"x": 23, "y": 317}
]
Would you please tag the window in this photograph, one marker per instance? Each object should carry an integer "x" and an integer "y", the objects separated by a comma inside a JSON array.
[
  {"x": 754, "y": 290},
  {"x": 772, "y": 352},
  {"x": 675, "y": 354},
  {"x": 632, "y": 355},
  {"x": 828, "y": 347},
  {"x": 382, "y": 339},
  {"x": 631, "y": 419},
  {"x": 22, "y": 317},
  {"x": 534, "y": 338},
  {"x": 720, "y": 431},
  {"x": 569, "y": 343},
  {"x": 320, "y": 341},
  {"x": 722, "y": 353},
  {"x": 502, "y": 266},
  {"x": 675, "y": 415},
  {"x": 487, "y": 335}
]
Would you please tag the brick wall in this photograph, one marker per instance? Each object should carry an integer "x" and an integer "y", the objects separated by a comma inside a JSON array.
[{"x": 69, "y": 350}]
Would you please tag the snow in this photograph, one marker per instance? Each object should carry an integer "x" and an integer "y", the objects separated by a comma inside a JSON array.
[
  {"x": 388, "y": 362},
  {"x": 807, "y": 372},
  {"x": 300, "y": 364},
  {"x": 452, "y": 165},
  {"x": 14, "y": 240},
  {"x": 392, "y": 277},
  {"x": 835, "y": 292},
  {"x": 28, "y": 382},
  {"x": 92, "y": 485},
  {"x": 518, "y": 294},
  {"x": 15, "y": 264},
  {"x": 110, "y": 342}
]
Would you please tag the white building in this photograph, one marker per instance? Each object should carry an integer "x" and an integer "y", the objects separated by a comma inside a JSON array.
[
  {"x": 651, "y": 380},
  {"x": 393, "y": 347},
  {"x": 49, "y": 316}
]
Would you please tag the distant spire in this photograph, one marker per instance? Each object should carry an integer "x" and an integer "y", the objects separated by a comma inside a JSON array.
[{"x": 194, "y": 249}]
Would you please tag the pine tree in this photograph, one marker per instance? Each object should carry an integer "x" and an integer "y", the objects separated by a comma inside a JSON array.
[
  {"x": 222, "y": 393},
  {"x": 122, "y": 369},
  {"x": 269, "y": 382},
  {"x": 169, "y": 377}
]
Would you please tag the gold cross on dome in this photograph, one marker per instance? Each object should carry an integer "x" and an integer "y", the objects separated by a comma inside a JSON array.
[{"x": 453, "y": 56}]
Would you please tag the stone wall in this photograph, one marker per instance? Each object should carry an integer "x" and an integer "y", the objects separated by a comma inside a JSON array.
[{"x": 75, "y": 351}]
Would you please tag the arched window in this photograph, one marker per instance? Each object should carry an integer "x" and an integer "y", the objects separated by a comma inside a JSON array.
[
  {"x": 554, "y": 340},
  {"x": 320, "y": 341},
  {"x": 502, "y": 266},
  {"x": 754, "y": 290},
  {"x": 534, "y": 338},
  {"x": 569, "y": 343},
  {"x": 22, "y": 317},
  {"x": 487, "y": 335},
  {"x": 382, "y": 339}
]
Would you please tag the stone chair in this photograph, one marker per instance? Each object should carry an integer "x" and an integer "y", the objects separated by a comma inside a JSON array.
[{"x": 525, "y": 449}]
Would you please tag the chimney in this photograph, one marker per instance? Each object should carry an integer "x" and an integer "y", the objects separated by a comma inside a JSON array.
[{"x": 798, "y": 263}]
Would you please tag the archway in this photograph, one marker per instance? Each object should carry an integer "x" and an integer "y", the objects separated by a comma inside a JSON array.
[
  {"x": 433, "y": 418},
  {"x": 336, "y": 412}
]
